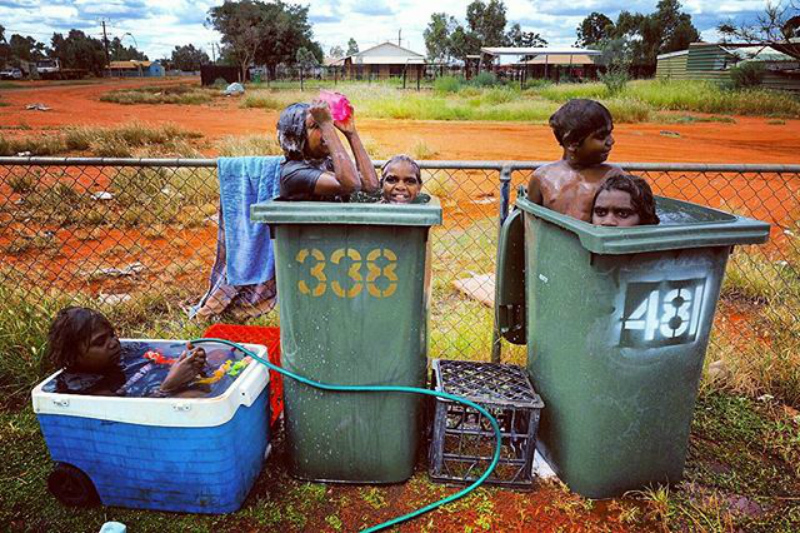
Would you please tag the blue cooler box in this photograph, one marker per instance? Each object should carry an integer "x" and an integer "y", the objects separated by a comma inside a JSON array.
[{"x": 197, "y": 455}]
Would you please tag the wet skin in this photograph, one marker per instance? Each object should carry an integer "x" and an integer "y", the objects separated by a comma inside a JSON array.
[
  {"x": 614, "y": 209},
  {"x": 569, "y": 186},
  {"x": 400, "y": 184},
  {"x": 322, "y": 141}
]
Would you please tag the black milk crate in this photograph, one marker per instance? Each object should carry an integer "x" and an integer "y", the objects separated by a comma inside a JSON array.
[{"x": 463, "y": 440}]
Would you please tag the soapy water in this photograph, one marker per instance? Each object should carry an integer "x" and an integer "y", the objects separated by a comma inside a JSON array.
[{"x": 144, "y": 365}]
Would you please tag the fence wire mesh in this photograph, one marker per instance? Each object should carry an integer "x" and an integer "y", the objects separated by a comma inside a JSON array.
[{"x": 139, "y": 238}]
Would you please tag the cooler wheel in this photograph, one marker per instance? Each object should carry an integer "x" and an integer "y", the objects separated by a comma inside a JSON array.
[{"x": 71, "y": 486}]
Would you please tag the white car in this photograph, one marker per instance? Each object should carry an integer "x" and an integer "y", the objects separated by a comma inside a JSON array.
[{"x": 11, "y": 74}]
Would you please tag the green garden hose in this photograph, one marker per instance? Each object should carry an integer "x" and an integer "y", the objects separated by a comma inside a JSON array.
[{"x": 389, "y": 388}]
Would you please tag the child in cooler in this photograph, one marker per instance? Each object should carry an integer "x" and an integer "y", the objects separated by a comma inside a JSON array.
[{"x": 84, "y": 344}]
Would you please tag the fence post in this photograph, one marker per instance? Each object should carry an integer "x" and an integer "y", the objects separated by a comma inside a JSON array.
[{"x": 505, "y": 191}]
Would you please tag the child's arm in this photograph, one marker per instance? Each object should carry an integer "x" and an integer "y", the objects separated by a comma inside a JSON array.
[
  {"x": 185, "y": 370},
  {"x": 535, "y": 189},
  {"x": 345, "y": 178},
  {"x": 369, "y": 178}
]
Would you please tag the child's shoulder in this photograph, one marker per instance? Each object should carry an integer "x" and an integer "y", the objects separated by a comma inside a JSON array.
[{"x": 549, "y": 169}]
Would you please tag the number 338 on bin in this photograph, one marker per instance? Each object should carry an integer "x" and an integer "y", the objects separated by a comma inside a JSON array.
[{"x": 380, "y": 280}]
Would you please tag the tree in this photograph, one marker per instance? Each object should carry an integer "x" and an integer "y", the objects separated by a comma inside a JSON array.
[
  {"x": 527, "y": 39},
  {"x": 25, "y": 48},
  {"x": 119, "y": 52},
  {"x": 5, "y": 51},
  {"x": 305, "y": 60},
  {"x": 487, "y": 21},
  {"x": 268, "y": 33},
  {"x": 677, "y": 30},
  {"x": 437, "y": 36},
  {"x": 352, "y": 47},
  {"x": 594, "y": 29},
  {"x": 464, "y": 43},
  {"x": 778, "y": 26},
  {"x": 666, "y": 30},
  {"x": 77, "y": 50},
  {"x": 242, "y": 25},
  {"x": 189, "y": 58},
  {"x": 336, "y": 52}
]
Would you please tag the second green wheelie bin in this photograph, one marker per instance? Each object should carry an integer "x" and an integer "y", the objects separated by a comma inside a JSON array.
[
  {"x": 617, "y": 322},
  {"x": 353, "y": 282}
]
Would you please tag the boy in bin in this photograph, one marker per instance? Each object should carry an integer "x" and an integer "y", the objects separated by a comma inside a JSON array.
[{"x": 583, "y": 128}]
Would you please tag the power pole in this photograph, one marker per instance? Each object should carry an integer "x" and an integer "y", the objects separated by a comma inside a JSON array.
[
  {"x": 213, "y": 55},
  {"x": 399, "y": 40},
  {"x": 105, "y": 42}
]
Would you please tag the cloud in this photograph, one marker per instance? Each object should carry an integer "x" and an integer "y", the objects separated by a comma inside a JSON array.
[{"x": 373, "y": 8}]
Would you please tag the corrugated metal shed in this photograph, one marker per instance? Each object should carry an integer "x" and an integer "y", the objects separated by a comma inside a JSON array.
[{"x": 713, "y": 62}]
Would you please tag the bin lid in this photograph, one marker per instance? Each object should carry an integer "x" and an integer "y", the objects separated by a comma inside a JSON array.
[
  {"x": 281, "y": 212},
  {"x": 683, "y": 225}
]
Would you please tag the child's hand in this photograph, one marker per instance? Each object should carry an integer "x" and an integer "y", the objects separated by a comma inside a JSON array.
[
  {"x": 348, "y": 125},
  {"x": 320, "y": 112},
  {"x": 185, "y": 369}
]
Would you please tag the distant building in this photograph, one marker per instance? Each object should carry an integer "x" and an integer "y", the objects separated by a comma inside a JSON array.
[
  {"x": 382, "y": 62},
  {"x": 714, "y": 61},
  {"x": 135, "y": 68}
]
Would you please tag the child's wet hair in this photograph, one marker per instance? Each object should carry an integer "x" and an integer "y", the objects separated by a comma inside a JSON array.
[
  {"x": 292, "y": 132},
  {"x": 641, "y": 194},
  {"x": 70, "y": 333},
  {"x": 579, "y": 118},
  {"x": 401, "y": 158}
]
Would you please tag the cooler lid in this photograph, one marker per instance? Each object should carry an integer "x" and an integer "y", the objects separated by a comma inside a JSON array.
[{"x": 683, "y": 225}]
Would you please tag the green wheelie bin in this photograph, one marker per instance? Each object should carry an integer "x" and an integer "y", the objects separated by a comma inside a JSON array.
[
  {"x": 353, "y": 283},
  {"x": 617, "y": 322}
]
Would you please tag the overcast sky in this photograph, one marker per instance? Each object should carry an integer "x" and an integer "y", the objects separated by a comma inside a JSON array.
[{"x": 157, "y": 26}]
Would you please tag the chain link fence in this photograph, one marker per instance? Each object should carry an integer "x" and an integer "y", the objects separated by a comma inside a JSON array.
[{"x": 140, "y": 237}]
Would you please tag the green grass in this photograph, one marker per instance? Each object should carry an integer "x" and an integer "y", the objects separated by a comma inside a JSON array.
[
  {"x": 453, "y": 99},
  {"x": 162, "y": 94}
]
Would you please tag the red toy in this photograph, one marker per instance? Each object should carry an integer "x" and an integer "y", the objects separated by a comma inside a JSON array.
[{"x": 158, "y": 358}]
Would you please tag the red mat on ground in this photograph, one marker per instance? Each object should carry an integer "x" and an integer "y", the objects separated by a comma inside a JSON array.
[{"x": 269, "y": 337}]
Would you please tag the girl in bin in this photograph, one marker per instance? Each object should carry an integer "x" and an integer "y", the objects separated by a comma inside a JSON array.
[
  {"x": 624, "y": 201},
  {"x": 401, "y": 181},
  {"x": 317, "y": 166},
  {"x": 84, "y": 344}
]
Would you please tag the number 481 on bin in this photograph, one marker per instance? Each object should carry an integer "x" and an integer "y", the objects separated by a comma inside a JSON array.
[
  {"x": 348, "y": 282},
  {"x": 662, "y": 313}
]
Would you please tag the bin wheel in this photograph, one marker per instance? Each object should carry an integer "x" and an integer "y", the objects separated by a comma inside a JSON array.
[{"x": 71, "y": 486}]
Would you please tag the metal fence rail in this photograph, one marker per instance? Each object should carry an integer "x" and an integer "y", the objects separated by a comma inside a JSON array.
[{"x": 143, "y": 232}]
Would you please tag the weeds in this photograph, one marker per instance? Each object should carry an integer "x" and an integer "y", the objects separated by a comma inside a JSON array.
[
  {"x": 106, "y": 142},
  {"x": 422, "y": 151},
  {"x": 170, "y": 94},
  {"x": 248, "y": 145}
]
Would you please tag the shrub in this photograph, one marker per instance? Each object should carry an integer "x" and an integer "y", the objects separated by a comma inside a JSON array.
[
  {"x": 485, "y": 79},
  {"x": 615, "y": 80},
  {"x": 220, "y": 83},
  {"x": 746, "y": 75},
  {"x": 447, "y": 84}
]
